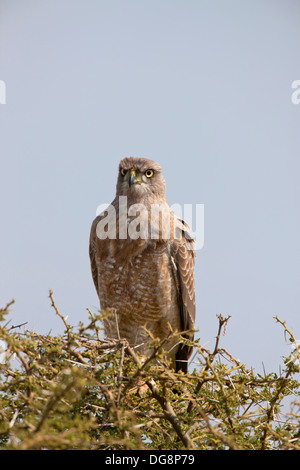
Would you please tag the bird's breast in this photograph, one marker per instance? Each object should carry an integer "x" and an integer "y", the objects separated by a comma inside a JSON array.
[{"x": 142, "y": 286}]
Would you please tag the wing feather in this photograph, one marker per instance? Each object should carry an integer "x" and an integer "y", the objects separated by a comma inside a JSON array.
[
  {"x": 183, "y": 254},
  {"x": 92, "y": 251}
]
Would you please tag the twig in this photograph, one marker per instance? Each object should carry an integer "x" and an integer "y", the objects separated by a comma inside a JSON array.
[
  {"x": 282, "y": 384},
  {"x": 286, "y": 328},
  {"x": 6, "y": 308},
  {"x": 58, "y": 312},
  {"x": 52, "y": 402},
  {"x": 141, "y": 366},
  {"x": 17, "y": 326},
  {"x": 122, "y": 355},
  {"x": 166, "y": 406},
  {"x": 286, "y": 443},
  {"x": 222, "y": 322},
  {"x": 228, "y": 442}
]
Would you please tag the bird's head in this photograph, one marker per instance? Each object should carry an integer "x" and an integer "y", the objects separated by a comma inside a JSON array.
[{"x": 140, "y": 178}]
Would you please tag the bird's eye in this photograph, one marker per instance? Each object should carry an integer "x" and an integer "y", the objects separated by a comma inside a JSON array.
[
  {"x": 149, "y": 173},
  {"x": 123, "y": 172}
]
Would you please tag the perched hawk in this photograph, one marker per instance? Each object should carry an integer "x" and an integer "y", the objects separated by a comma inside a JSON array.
[{"x": 142, "y": 261}]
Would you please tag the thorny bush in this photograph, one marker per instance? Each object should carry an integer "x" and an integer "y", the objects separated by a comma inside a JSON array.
[{"x": 80, "y": 391}]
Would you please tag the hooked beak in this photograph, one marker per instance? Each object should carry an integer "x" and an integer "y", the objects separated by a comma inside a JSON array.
[{"x": 132, "y": 179}]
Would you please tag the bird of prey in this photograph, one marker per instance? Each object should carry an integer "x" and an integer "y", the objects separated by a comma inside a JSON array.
[{"x": 142, "y": 262}]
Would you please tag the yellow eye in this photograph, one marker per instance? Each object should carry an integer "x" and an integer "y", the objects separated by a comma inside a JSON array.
[
  {"x": 123, "y": 172},
  {"x": 149, "y": 173}
]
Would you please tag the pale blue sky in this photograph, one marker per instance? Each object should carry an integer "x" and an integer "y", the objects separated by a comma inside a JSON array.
[{"x": 202, "y": 87}]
